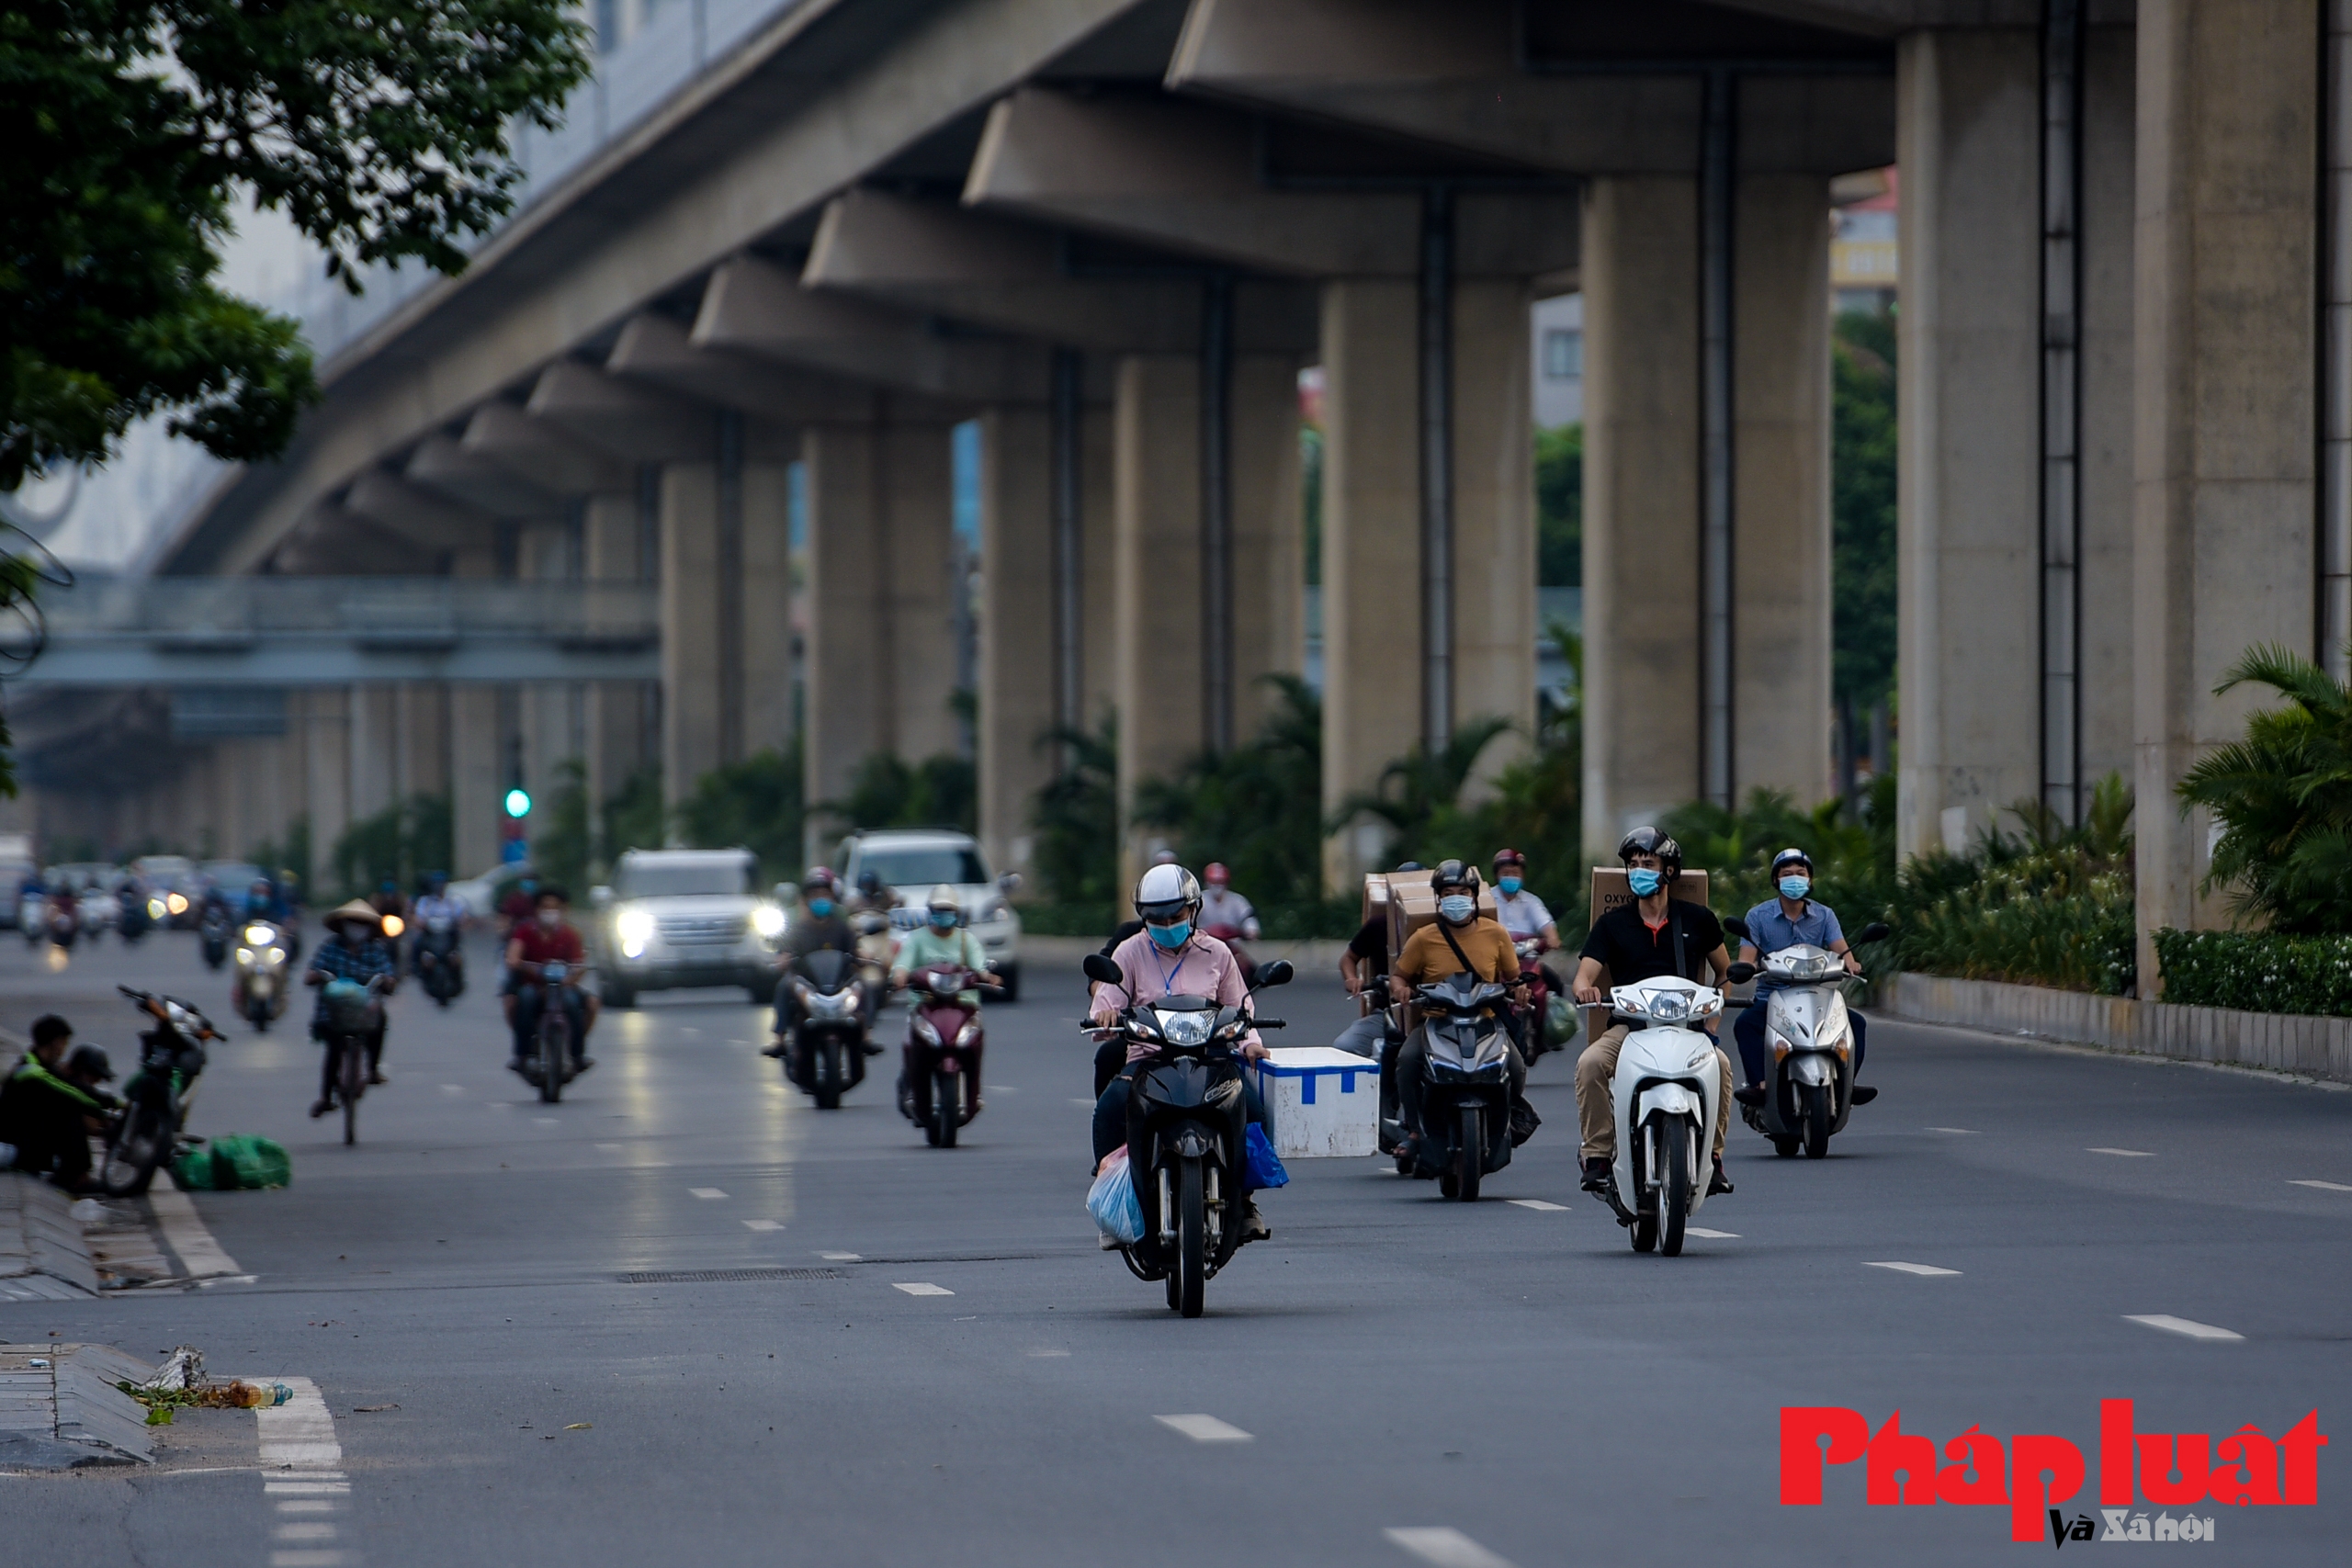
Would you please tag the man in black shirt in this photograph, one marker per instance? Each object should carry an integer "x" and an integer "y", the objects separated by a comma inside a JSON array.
[
  {"x": 1656, "y": 934},
  {"x": 821, "y": 929}
]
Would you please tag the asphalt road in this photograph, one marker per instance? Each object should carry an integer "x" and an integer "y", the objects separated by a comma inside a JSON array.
[{"x": 1513, "y": 1375}]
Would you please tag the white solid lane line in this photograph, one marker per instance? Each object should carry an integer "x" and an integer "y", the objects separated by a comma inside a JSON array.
[
  {"x": 1920, "y": 1268},
  {"x": 707, "y": 1191},
  {"x": 1204, "y": 1428},
  {"x": 2123, "y": 1154},
  {"x": 2189, "y": 1327},
  {"x": 175, "y": 1215},
  {"x": 2322, "y": 1186},
  {"x": 1969, "y": 1130},
  {"x": 764, "y": 1224},
  {"x": 842, "y": 1257},
  {"x": 1445, "y": 1547},
  {"x": 1538, "y": 1204},
  {"x": 306, "y": 1560},
  {"x": 920, "y": 1289},
  {"x": 1711, "y": 1235}
]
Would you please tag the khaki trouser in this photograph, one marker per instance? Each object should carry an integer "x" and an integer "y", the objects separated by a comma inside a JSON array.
[{"x": 1597, "y": 1108}]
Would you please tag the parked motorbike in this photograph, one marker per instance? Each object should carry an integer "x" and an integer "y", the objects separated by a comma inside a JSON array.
[
  {"x": 939, "y": 1087},
  {"x": 149, "y": 1129},
  {"x": 260, "y": 988},
  {"x": 133, "y": 921},
  {"x": 1186, "y": 1116},
  {"x": 1466, "y": 1087},
  {"x": 827, "y": 1052},
  {"x": 1664, "y": 1100},
  {"x": 441, "y": 960},
  {"x": 554, "y": 1062},
  {"x": 1811, "y": 1039},
  {"x": 212, "y": 934}
]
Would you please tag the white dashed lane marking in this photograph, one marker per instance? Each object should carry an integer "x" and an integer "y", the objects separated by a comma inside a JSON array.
[
  {"x": 1711, "y": 1235},
  {"x": 2188, "y": 1327},
  {"x": 707, "y": 1191},
  {"x": 764, "y": 1224},
  {"x": 841, "y": 1257},
  {"x": 1204, "y": 1428},
  {"x": 1539, "y": 1205},
  {"x": 1924, "y": 1269},
  {"x": 2322, "y": 1186},
  {"x": 2123, "y": 1154},
  {"x": 920, "y": 1289},
  {"x": 1969, "y": 1130},
  {"x": 301, "y": 1459},
  {"x": 1445, "y": 1547}
]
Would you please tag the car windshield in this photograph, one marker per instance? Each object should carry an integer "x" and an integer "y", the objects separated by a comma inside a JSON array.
[
  {"x": 924, "y": 867},
  {"x": 232, "y": 875},
  {"x": 670, "y": 879}
]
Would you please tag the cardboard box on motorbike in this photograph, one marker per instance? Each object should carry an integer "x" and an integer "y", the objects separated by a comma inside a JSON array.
[
  {"x": 1611, "y": 891},
  {"x": 1404, "y": 898}
]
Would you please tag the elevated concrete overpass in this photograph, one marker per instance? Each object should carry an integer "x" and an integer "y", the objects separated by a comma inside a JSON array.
[{"x": 1113, "y": 232}]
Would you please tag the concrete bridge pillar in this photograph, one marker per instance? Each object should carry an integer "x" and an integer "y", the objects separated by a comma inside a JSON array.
[
  {"x": 616, "y": 530},
  {"x": 1157, "y": 580},
  {"x": 2229, "y": 107},
  {"x": 325, "y": 741},
  {"x": 880, "y": 623},
  {"x": 1021, "y": 624},
  {"x": 375, "y": 750},
  {"x": 1494, "y": 510},
  {"x": 478, "y": 759},
  {"x": 695, "y": 691}
]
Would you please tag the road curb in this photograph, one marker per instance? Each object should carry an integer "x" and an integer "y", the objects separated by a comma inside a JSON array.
[
  {"x": 43, "y": 1254},
  {"x": 60, "y": 1408}
]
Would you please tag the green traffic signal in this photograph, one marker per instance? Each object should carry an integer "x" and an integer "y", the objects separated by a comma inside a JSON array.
[{"x": 518, "y": 802}]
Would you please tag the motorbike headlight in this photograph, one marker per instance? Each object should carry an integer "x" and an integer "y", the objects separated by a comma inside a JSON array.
[
  {"x": 175, "y": 904},
  {"x": 768, "y": 920},
  {"x": 968, "y": 1033},
  {"x": 155, "y": 908},
  {"x": 925, "y": 1031},
  {"x": 245, "y": 956},
  {"x": 260, "y": 936},
  {"x": 635, "y": 927},
  {"x": 1670, "y": 1007},
  {"x": 841, "y": 1004},
  {"x": 274, "y": 956},
  {"x": 1186, "y": 1028}
]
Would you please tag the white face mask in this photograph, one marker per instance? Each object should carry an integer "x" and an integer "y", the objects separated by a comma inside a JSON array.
[
  {"x": 1456, "y": 907},
  {"x": 551, "y": 918}
]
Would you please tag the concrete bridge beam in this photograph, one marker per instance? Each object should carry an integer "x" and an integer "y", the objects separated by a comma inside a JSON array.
[
  {"x": 440, "y": 464},
  {"x": 539, "y": 453},
  {"x": 638, "y": 422},
  {"x": 428, "y": 521}
]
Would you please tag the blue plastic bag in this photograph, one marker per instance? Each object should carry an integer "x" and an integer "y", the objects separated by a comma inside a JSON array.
[
  {"x": 1265, "y": 1166},
  {"x": 1112, "y": 1201}
]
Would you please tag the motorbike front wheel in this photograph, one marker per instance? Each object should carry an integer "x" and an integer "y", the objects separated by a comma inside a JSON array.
[
  {"x": 825, "y": 1070},
  {"x": 946, "y": 1108},
  {"x": 1470, "y": 1154},
  {"x": 553, "y": 1048},
  {"x": 1192, "y": 1239},
  {"x": 133, "y": 1154},
  {"x": 1816, "y": 1119},
  {"x": 1674, "y": 1200},
  {"x": 352, "y": 1082}
]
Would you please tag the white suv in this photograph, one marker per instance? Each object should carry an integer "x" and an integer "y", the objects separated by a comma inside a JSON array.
[
  {"x": 677, "y": 917},
  {"x": 913, "y": 861}
]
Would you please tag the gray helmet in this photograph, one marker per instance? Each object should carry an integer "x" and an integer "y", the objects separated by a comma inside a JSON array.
[
  {"x": 1789, "y": 857},
  {"x": 1167, "y": 894},
  {"x": 1648, "y": 841}
]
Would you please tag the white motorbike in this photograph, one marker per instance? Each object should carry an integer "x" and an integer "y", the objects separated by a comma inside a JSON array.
[
  {"x": 1811, "y": 1037},
  {"x": 1665, "y": 1100}
]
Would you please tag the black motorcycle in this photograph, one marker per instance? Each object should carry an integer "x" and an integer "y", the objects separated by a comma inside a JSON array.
[
  {"x": 213, "y": 932},
  {"x": 61, "y": 919},
  {"x": 441, "y": 960},
  {"x": 1465, "y": 1084},
  {"x": 134, "y": 920},
  {"x": 149, "y": 1130},
  {"x": 827, "y": 1052},
  {"x": 1187, "y": 1112},
  {"x": 555, "y": 1058}
]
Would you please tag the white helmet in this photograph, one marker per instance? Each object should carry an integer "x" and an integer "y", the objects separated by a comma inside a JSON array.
[
  {"x": 943, "y": 898},
  {"x": 1166, "y": 895}
]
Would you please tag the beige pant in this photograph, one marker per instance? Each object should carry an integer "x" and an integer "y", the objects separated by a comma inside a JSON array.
[{"x": 1597, "y": 1110}]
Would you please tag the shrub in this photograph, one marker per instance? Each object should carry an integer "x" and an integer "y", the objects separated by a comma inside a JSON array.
[
  {"x": 1076, "y": 819},
  {"x": 1258, "y": 807},
  {"x": 2258, "y": 971},
  {"x": 755, "y": 803}
]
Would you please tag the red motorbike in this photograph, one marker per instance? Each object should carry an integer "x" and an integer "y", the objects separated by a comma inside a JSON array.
[
  {"x": 1536, "y": 1000},
  {"x": 940, "y": 1089},
  {"x": 1231, "y": 937}
]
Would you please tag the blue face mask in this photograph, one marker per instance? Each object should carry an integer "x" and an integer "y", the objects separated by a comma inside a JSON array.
[
  {"x": 1172, "y": 936},
  {"x": 1795, "y": 887},
  {"x": 820, "y": 907},
  {"x": 1644, "y": 881},
  {"x": 1507, "y": 884},
  {"x": 943, "y": 919}
]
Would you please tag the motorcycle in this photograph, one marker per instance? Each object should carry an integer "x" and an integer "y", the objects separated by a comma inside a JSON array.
[
  {"x": 260, "y": 989},
  {"x": 149, "y": 1130},
  {"x": 876, "y": 951},
  {"x": 1186, "y": 1115},
  {"x": 355, "y": 1014},
  {"x": 1537, "y": 999},
  {"x": 827, "y": 1052},
  {"x": 212, "y": 933},
  {"x": 1664, "y": 1100},
  {"x": 61, "y": 919},
  {"x": 554, "y": 1063},
  {"x": 1465, "y": 1090},
  {"x": 441, "y": 960},
  {"x": 1812, "y": 1039},
  {"x": 133, "y": 920},
  {"x": 939, "y": 1089}
]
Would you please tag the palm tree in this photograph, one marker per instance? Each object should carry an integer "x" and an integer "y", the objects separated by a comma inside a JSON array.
[
  {"x": 1420, "y": 784},
  {"x": 2283, "y": 797}
]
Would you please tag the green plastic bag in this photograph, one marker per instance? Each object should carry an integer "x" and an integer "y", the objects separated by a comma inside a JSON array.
[
  {"x": 1560, "y": 1023},
  {"x": 233, "y": 1161}
]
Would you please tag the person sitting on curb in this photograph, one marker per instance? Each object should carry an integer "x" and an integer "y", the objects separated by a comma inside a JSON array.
[{"x": 44, "y": 1115}]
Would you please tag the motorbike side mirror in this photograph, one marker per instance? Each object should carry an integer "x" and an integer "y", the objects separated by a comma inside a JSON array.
[
  {"x": 1875, "y": 932},
  {"x": 600, "y": 897},
  {"x": 1737, "y": 926},
  {"x": 1740, "y": 974},
  {"x": 1274, "y": 972},
  {"x": 1102, "y": 971},
  {"x": 1008, "y": 881}
]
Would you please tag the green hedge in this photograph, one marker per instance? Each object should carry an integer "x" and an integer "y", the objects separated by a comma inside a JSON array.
[{"x": 2256, "y": 971}]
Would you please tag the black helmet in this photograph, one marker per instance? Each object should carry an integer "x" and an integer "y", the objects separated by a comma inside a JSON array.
[
  {"x": 1647, "y": 841},
  {"x": 89, "y": 1064},
  {"x": 1411, "y": 866},
  {"x": 1455, "y": 876}
]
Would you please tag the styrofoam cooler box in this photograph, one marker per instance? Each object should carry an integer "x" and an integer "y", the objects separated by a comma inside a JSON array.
[{"x": 1325, "y": 1103}]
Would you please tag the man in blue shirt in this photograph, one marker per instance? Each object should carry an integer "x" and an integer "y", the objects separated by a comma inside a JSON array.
[{"x": 1787, "y": 920}]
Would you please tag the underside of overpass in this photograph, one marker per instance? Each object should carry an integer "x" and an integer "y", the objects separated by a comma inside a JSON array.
[{"x": 1114, "y": 232}]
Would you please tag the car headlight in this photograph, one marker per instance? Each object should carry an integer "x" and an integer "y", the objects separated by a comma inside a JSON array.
[
  {"x": 768, "y": 920},
  {"x": 635, "y": 927},
  {"x": 176, "y": 904},
  {"x": 155, "y": 908}
]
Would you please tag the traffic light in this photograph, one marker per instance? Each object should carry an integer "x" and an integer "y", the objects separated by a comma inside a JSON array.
[{"x": 518, "y": 802}]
